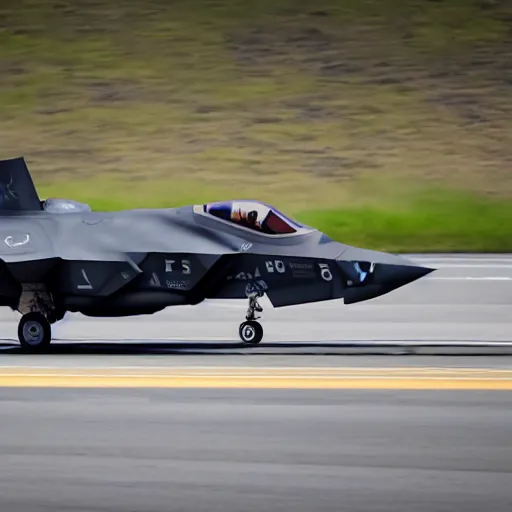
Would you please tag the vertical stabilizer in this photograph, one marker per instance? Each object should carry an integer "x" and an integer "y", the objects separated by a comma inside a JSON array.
[{"x": 17, "y": 190}]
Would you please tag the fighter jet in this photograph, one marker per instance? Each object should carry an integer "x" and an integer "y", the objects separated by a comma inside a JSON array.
[{"x": 58, "y": 256}]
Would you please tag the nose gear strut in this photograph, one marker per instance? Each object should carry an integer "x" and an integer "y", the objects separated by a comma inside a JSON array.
[
  {"x": 254, "y": 306},
  {"x": 251, "y": 331}
]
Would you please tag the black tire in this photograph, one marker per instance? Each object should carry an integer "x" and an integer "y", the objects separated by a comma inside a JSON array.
[
  {"x": 34, "y": 331},
  {"x": 251, "y": 332}
]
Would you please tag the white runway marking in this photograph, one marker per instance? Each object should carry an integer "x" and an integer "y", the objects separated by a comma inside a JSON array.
[
  {"x": 448, "y": 258},
  {"x": 470, "y": 265},
  {"x": 469, "y": 278},
  {"x": 454, "y": 258}
]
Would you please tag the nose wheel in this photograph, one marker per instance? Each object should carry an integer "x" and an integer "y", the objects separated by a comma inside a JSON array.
[
  {"x": 251, "y": 331},
  {"x": 34, "y": 331}
]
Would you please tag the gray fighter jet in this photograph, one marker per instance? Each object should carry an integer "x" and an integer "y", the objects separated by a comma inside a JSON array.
[{"x": 58, "y": 255}]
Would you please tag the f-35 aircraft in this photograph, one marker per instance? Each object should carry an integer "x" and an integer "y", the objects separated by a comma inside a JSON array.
[{"x": 57, "y": 255}]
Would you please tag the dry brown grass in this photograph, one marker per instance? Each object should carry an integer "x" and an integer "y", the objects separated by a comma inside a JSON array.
[{"x": 172, "y": 102}]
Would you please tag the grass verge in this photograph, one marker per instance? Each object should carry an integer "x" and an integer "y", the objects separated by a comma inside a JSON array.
[{"x": 449, "y": 222}]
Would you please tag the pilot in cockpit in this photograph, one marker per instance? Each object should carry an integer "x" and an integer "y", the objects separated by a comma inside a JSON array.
[{"x": 248, "y": 219}]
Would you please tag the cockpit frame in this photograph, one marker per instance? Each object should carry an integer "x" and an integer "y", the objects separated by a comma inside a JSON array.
[{"x": 278, "y": 218}]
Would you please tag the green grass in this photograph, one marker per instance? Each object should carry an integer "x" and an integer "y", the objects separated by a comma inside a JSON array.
[
  {"x": 339, "y": 108},
  {"x": 450, "y": 222}
]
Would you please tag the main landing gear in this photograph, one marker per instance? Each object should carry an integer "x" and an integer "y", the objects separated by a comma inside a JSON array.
[
  {"x": 39, "y": 312},
  {"x": 34, "y": 331},
  {"x": 251, "y": 331}
]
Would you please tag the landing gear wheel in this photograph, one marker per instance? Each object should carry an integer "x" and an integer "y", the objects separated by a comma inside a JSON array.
[
  {"x": 251, "y": 332},
  {"x": 34, "y": 331}
]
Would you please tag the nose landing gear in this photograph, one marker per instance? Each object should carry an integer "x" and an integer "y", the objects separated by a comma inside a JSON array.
[{"x": 251, "y": 331}]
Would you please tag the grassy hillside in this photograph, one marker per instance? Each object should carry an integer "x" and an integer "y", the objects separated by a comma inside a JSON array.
[{"x": 383, "y": 124}]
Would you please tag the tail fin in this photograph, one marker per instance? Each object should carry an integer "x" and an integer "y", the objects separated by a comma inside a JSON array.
[{"x": 17, "y": 190}]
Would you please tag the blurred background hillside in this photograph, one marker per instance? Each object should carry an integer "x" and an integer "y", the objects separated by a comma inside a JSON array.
[{"x": 375, "y": 120}]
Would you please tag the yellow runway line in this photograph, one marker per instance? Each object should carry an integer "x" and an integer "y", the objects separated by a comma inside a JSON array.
[{"x": 260, "y": 378}]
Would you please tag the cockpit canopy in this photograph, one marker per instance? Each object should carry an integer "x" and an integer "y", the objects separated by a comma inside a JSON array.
[{"x": 253, "y": 215}]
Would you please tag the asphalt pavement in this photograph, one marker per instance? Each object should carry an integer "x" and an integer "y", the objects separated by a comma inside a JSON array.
[
  {"x": 213, "y": 447},
  {"x": 145, "y": 450}
]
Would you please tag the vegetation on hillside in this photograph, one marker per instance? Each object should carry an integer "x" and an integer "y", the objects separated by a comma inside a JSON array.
[{"x": 347, "y": 113}]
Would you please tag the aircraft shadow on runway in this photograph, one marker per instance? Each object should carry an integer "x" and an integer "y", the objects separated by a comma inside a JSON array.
[
  {"x": 165, "y": 347},
  {"x": 182, "y": 347}
]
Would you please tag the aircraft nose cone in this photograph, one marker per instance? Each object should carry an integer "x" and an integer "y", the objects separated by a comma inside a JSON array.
[
  {"x": 374, "y": 274},
  {"x": 380, "y": 268},
  {"x": 395, "y": 276}
]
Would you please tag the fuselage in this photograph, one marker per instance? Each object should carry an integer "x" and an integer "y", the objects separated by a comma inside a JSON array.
[{"x": 140, "y": 261}]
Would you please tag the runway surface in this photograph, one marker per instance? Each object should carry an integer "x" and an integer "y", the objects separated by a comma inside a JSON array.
[
  {"x": 172, "y": 413},
  {"x": 252, "y": 450}
]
